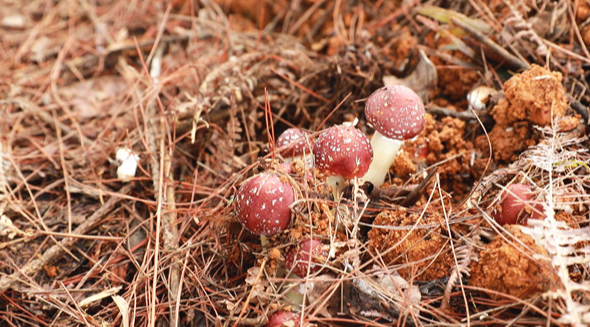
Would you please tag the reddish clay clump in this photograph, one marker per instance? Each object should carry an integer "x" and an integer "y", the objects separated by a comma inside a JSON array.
[
  {"x": 343, "y": 151},
  {"x": 506, "y": 266},
  {"x": 263, "y": 204},
  {"x": 402, "y": 238},
  {"x": 310, "y": 254}
]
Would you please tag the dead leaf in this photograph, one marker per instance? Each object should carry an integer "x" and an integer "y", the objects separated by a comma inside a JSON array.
[{"x": 421, "y": 80}]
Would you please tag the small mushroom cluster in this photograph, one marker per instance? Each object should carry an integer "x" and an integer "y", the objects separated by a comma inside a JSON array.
[{"x": 341, "y": 153}]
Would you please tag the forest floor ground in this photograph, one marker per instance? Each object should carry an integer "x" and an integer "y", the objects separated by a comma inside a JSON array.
[{"x": 196, "y": 92}]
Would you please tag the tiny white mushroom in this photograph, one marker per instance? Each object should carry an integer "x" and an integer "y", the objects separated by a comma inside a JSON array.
[{"x": 478, "y": 95}]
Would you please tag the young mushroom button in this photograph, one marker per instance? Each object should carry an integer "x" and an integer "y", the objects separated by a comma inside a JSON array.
[
  {"x": 263, "y": 204},
  {"x": 308, "y": 256},
  {"x": 282, "y": 318},
  {"x": 515, "y": 206},
  {"x": 342, "y": 151},
  {"x": 292, "y": 143},
  {"x": 397, "y": 114}
]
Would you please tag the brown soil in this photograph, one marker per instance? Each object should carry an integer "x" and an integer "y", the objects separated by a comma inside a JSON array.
[
  {"x": 421, "y": 252},
  {"x": 536, "y": 96},
  {"x": 443, "y": 143},
  {"x": 508, "y": 141},
  {"x": 510, "y": 268}
]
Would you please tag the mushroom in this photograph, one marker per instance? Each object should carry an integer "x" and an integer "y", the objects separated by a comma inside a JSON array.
[
  {"x": 308, "y": 256},
  {"x": 342, "y": 151},
  {"x": 293, "y": 145},
  {"x": 513, "y": 206},
  {"x": 263, "y": 204},
  {"x": 479, "y": 97},
  {"x": 397, "y": 114},
  {"x": 281, "y": 318},
  {"x": 127, "y": 162}
]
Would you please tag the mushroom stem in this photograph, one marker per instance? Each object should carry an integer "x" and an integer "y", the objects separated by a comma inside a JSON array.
[
  {"x": 263, "y": 240},
  {"x": 385, "y": 151},
  {"x": 335, "y": 183},
  {"x": 294, "y": 293}
]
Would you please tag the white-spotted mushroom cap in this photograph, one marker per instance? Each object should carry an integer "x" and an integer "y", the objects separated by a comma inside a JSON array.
[
  {"x": 293, "y": 142},
  {"x": 396, "y": 112},
  {"x": 344, "y": 151},
  {"x": 310, "y": 253},
  {"x": 262, "y": 204}
]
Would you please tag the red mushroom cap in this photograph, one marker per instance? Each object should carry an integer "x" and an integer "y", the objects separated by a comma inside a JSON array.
[
  {"x": 262, "y": 204},
  {"x": 343, "y": 151},
  {"x": 513, "y": 205},
  {"x": 396, "y": 112},
  {"x": 293, "y": 141},
  {"x": 279, "y": 318},
  {"x": 308, "y": 253},
  {"x": 286, "y": 166}
]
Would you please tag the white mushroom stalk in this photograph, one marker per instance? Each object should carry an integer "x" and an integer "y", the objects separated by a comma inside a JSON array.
[
  {"x": 478, "y": 97},
  {"x": 381, "y": 159}
]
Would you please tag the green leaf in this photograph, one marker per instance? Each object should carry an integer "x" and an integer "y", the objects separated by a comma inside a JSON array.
[{"x": 446, "y": 16}]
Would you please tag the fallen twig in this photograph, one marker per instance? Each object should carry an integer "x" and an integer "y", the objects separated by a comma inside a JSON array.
[{"x": 511, "y": 60}]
